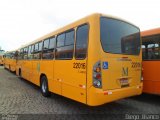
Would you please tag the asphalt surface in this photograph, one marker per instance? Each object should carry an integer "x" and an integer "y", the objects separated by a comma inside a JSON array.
[{"x": 20, "y": 99}]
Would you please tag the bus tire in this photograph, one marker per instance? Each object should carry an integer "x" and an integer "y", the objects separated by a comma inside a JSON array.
[{"x": 44, "y": 87}]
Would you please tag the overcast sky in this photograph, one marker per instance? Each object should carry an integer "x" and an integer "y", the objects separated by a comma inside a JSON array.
[{"x": 22, "y": 21}]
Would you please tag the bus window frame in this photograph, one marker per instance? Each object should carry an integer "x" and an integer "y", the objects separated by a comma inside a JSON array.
[
  {"x": 87, "y": 23},
  {"x": 48, "y": 50},
  {"x": 148, "y": 43},
  {"x": 36, "y": 52},
  {"x": 124, "y": 22},
  {"x": 21, "y": 54},
  {"x": 25, "y": 53},
  {"x": 64, "y": 32}
]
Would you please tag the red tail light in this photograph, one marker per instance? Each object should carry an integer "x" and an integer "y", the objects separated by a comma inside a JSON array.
[{"x": 97, "y": 78}]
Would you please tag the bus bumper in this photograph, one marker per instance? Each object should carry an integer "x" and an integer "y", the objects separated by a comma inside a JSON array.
[{"x": 98, "y": 96}]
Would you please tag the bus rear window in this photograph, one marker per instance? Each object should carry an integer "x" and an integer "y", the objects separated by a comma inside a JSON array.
[{"x": 119, "y": 37}]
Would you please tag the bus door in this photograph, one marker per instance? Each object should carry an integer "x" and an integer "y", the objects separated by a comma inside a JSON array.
[
  {"x": 23, "y": 63},
  {"x": 35, "y": 71},
  {"x": 36, "y": 63},
  {"x": 47, "y": 63},
  {"x": 27, "y": 65}
]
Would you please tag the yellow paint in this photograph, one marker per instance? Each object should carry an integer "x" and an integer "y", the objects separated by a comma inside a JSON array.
[
  {"x": 10, "y": 62},
  {"x": 1, "y": 60}
]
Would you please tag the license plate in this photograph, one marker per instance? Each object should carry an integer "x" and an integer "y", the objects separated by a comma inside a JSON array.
[{"x": 124, "y": 82}]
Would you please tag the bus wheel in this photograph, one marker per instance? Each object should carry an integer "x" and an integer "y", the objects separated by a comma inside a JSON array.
[{"x": 44, "y": 87}]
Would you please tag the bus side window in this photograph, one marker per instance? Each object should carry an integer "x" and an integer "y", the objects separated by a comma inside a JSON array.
[
  {"x": 81, "y": 41},
  {"x": 65, "y": 45},
  {"x": 36, "y": 53},
  {"x": 36, "y": 47},
  {"x": 52, "y": 44},
  {"x": 46, "y": 51},
  {"x": 143, "y": 52},
  {"x": 40, "y": 44},
  {"x": 21, "y": 54},
  {"x": 25, "y": 53},
  {"x": 153, "y": 51},
  {"x": 11, "y": 55},
  {"x": 29, "y": 52},
  {"x": 32, "y": 52},
  {"x": 60, "y": 40}
]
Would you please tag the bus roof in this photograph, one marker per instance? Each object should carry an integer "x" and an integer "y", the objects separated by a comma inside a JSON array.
[
  {"x": 72, "y": 25},
  {"x": 150, "y": 32},
  {"x": 150, "y": 36}
]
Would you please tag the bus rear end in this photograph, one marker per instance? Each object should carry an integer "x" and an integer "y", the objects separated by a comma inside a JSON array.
[
  {"x": 1, "y": 57},
  {"x": 1, "y": 60},
  {"x": 116, "y": 73}
]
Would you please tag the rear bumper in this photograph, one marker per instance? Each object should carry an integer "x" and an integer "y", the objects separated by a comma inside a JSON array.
[{"x": 98, "y": 96}]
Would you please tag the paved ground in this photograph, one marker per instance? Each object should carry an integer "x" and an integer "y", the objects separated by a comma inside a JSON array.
[{"x": 21, "y": 97}]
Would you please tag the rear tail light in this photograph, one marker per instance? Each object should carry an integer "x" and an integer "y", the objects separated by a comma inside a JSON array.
[{"x": 97, "y": 76}]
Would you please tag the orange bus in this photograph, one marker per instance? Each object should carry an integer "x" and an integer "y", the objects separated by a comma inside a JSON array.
[
  {"x": 151, "y": 60},
  {"x": 87, "y": 61},
  {"x": 10, "y": 61},
  {"x": 1, "y": 57}
]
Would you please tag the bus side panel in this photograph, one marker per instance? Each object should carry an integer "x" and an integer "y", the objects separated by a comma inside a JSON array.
[
  {"x": 27, "y": 70},
  {"x": 6, "y": 63},
  {"x": 73, "y": 80},
  {"x": 1, "y": 60},
  {"x": 94, "y": 55},
  {"x": 35, "y": 72},
  {"x": 13, "y": 65},
  {"x": 23, "y": 69},
  {"x": 47, "y": 68},
  {"x": 18, "y": 67},
  {"x": 151, "y": 77},
  {"x": 157, "y": 87}
]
